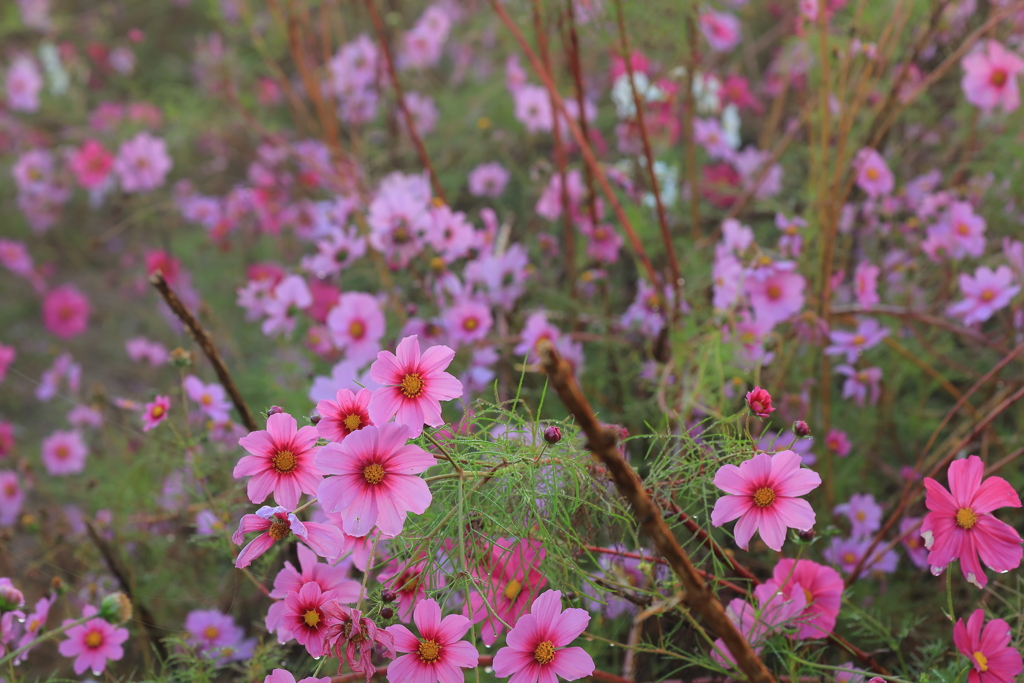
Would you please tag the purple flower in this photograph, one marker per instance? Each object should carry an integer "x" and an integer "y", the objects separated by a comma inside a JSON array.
[
  {"x": 867, "y": 335},
  {"x": 864, "y": 513},
  {"x": 861, "y": 385}
]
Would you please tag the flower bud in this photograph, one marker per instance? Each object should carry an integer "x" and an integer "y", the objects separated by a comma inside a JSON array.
[
  {"x": 274, "y": 410},
  {"x": 388, "y": 595},
  {"x": 801, "y": 429},
  {"x": 116, "y": 608},
  {"x": 315, "y": 418},
  {"x": 760, "y": 402},
  {"x": 806, "y": 536},
  {"x": 10, "y": 597},
  {"x": 552, "y": 434},
  {"x": 181, "y": 358},
  {"x": 386, "y": 613}
]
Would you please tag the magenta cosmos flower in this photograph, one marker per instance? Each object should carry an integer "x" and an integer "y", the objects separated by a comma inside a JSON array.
[
  {"x": 413, "y": 385},
  {"x": 960, "y": 524},
  {"x": 376, "y": 482},
  {"x": 155, "y": 412},
  {"x": 537, "y": 644},
  {"x": 348, "y": 412},
  {"x": 66, "y": 312},
  {"x": 64, "y": 452},
  {"x": 763, "y": 495},
  {"x": 304, "y": 618},
  {"x": 282, "y": 676},
  {"x": 822, "y": 587},
  {"x": 760, "y": 402},
  {"x": 282, "y": 461},
  {"x": 990, "y": 77},
  {"x": 720, "y": 29},
  {"x": 93, "y": 643},
  {"x": 993, "y": 659},
  {"x": 277, "y": 524},
  {"x": 510, "y": 581},
  {"x": 91, "y": 164},
  {"x": 439, "y": 654}
]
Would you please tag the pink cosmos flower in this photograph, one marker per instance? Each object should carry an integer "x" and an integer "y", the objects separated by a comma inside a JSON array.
[
  {"x": 537, "y": 645},
  {"x": 281, "y": 461},
  {"x": 277, "y": 524},
  {"x": 6, "y": 438},
  {"x": 34, "y": 623},
  {"x": 357, "y": 323},
  {"x": 64, "y": 453},
  {"x": 963, "y": 231},
  {"x": 488, "y": 180},
  {"x": 763, "y": 495},
  {"x": 838, "y": 442},
  {"x": 142, "y": 163},
  {"x": 773, "y": 612},
  {"x": 760, "y": 402},
  {"x": 141, "y": 349},
  {"x": 720, "y": 29},
  {"x": 791, "y": 241},
  {"x": 282, "y": 676},
  {"x": 15, "y": 257},
  {"x": 511, "y": 580},
  {"x": 993, "y": 658},
  {"x": 155, "y": 412},
  {"x": 960, "y": 524},
  {"x": 352, "y": 638},
  {"x": 12, "y": 496},
  {"x": 985, "y": 293},
  {"x": 532, "y": 108},
  {"x": 376, "y": 483},
  {"x": 468, "y": 322},
  {"x": 865, "y": 280},
  {"x": 328, "y": 577},
  {"x": 66, "y": 312},
  {"x": 603, "y": 242},
  {"x": 24, "y": 83},
  {"x": 913, "y": 543},
  {"x": 823, "y": 589},
  {"x": 861, "y": 385},
  {"x": 775, "y": 295},
  {"x": 409, "y": 581},
  {"x": 289, "y": 296},
  {"x": 413, "y": 385},
  {"x": 304, "y": 618},
  {"x": 91, "y": 164},
  {"x": 7, "y": 355},
  {"x": 212, "y": 398},
  {"x": 868, "y": 334},
  {"x": 990, "y": 78},
  {"x": 347, "y": 413},
  {"x": 439, "y": 654},
  {"x": 93, "y": 643},
  {"x": 216, "y": 636},
  {"x": 873, "y": 174},
  {"x": 450, "y": 234}
]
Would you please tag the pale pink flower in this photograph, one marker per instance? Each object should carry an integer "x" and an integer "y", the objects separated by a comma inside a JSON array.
[
  {"x": 538, "y": 644},
  {"x": 439, "y": 654},
  {"x": 532, "y": 108},
  {"x": 282, "y": 676},
  {"x": 12, "y": 496},
  {"x": 357, "y": 324},
  {"x": 960, "y": 524},
  {"x": 15, "y": 257},
  {"x": 775, "y": 295},
  {"x": 64, "y": 453},
  {"x": 66, "y": 312},
  {"x": 990, "y": 77},
  {"x": 964, "y": 231},
  {"x": 773, "y": 612},
  {"x": 488, "y": 180},
  {"x": 763, "y": 494},
  {"x": 93, "y": 643},
  {"x": 34, "y": 623},
  {"x": 873, "y": 174},
  {"x": 984, "y": 294},
  {"x": 281, "y": 461},
  {"x": 823, "y": 589},
  {"x": 468, "y": 322},
  {"x": 852, "y": 343},
  {"x": 289, "y": 296},
  {"x": 91, "y": 163},
  {"x": 212, "y": 398},
  {"x": 376, "y": 482},
  {"x": 861, "y": 385},
  {"x": 7, "y": 356},
  {"x": 142, "y": 163},
  {"x": 865, "y": 283},
  {"x": 155, "y": 412},
  {"x": 720, "y": 29},
  {"x": 277, "y": 524},
  {"x": 347, "y": 413},
  {"x": 413, "y": 385},
  {"x": 24, "y": 83}
]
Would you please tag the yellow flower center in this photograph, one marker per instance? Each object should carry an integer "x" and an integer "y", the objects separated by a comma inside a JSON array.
[
  {"x": 211, "y": 632},
  {"x": 311, "y": 617},
  {"x": 860, "y": 516},
  {"x": 545, "y": 652},
  {"x": 94, "y": 639},
  {"x": 988, "y": 295},
  {"x": 412, "y": 385},
  {"x": 982, "y": 661},
  {"x": 849, "y": 557},
  {"x": 62, "y": 452},
  {"x": 356, "y": 329},
  {"x": 764, "y": 497},
  {"x": 872, "y": 173},
  {"x": 284, "y": 461},
  {"x": 512, "y": 589},
  {"x": 858, "y": 340},
  {"x": 962, "y": 229},
  {"x": 157, "y": 412},
  {"x": 808, "y": 597},
  {"x": 966, "y": 518},
  {"x": 470, "y": 324},
  {"x": 352, "y": 422},
  {"x": 998, "y": 79},
  {"x": 774, "y": 291},
  {"x": 373, "y": 474},
  {"x": 429, "y": 651},
  {"x": 279, "y": 530}
]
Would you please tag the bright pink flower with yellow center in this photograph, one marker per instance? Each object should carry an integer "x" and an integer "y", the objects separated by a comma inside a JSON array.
[
  {"x": 281, "y": 462},
  {"x": 93, "y": 643},
  {"x": 763, "y": 495},
  {"x": 510, "y": 581},
  {"x": 823, "y": 589},
  {"x": 439, "y": 654},
  {"x": 348, "y": 412},
  {"x": 537, "y": 644},
  {"x": 414, "y": 385},
  {"x": 376, "y": 482},
  {"x": 993, "y": 659},
  {"x": 304, "y": 616},
  {"x": 155, "y": 412},
  {"x": 277, "y": 524},
  {"x": 960, "y": 522}
]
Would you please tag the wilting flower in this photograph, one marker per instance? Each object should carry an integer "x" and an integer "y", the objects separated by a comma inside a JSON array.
[
  {"x": 960, "y": 524},
  {"x": 537, "y": 645},
  {"x": 993, "y": 658},
  {"x": 763, "y": 495},
  {"x": 277, "y": 524},
  {"x": 438, "y": 654},
  {"x": 281, "y": 461},
  {"x": 351, "y": 637}
]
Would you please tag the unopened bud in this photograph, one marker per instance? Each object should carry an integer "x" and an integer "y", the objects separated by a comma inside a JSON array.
[
  {"x": 274, "y": 410},
  {"x": 806, "y": 536},
  {"x": 552, "y": 434},
  {"x": 58, "y": 586},
  {"x": 181, "y": 357},
  {"x": 386, "y": 613},
  {"x": 314, "y": 419},
  {"x": 116, "y": 608},
  {"x": 801, "y": 429},
  {"x": 10, "y": 598},
  {"x": 388, "y": 595}
]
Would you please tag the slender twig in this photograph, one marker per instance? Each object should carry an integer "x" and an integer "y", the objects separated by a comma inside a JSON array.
[
  {"x": 202, "y": 337},
  {"x": 601, "y": 441},
  {"x": 410, "y": 123}
]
